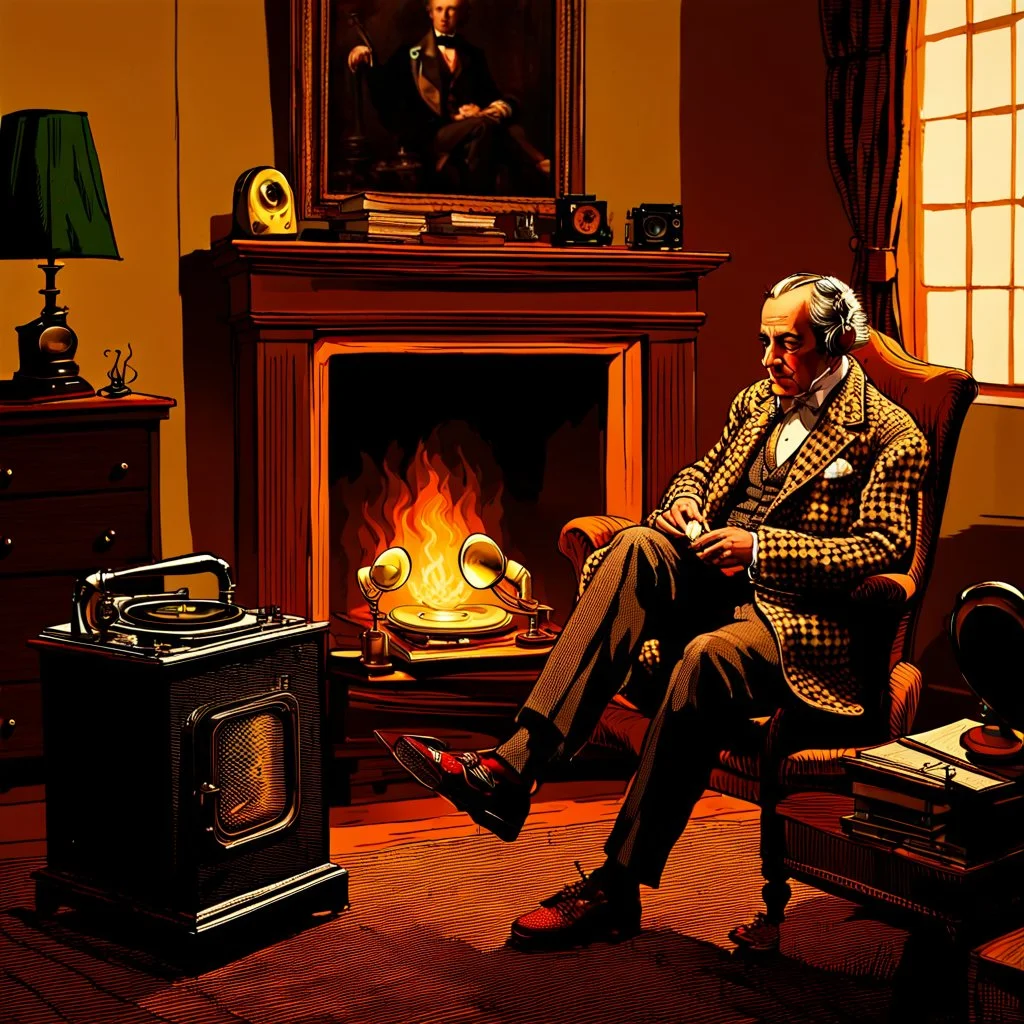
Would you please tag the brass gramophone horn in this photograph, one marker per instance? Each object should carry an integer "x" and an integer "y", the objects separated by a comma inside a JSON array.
[{"x": 481, "y": 562}]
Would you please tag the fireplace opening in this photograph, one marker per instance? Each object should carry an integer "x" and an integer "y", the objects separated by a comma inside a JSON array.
[{"x": 424, "y": 450}]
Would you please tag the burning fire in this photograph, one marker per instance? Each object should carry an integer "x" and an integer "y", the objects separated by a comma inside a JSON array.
[{"x": 430, "y": 513}]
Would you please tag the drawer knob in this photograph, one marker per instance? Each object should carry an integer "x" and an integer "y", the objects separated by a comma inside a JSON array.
[
  {"x": 6, "y": 543},
  {"x": 120, "y": 471},
  {"x": 7, "y": 726},
  {"x": 108, "y": 538},
  {"x": 6, "y": 473}
]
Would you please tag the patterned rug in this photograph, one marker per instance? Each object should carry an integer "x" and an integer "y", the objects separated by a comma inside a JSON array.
[{"x": 424, "y": 941}]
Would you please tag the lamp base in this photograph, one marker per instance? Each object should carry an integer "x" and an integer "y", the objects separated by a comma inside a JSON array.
[
  {"x": 992, "y": 743},
  {"x": 23, "y": 388}
]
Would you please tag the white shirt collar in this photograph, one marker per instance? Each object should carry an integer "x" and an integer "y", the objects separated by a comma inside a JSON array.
[{"x": 822, "y": 389}]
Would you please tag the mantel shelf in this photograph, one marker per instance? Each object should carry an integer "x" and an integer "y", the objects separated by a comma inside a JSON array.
[{"x": 529, "y": 265}]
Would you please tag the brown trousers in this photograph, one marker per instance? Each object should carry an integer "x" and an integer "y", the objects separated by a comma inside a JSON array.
[{"x": 724, "y": 669}]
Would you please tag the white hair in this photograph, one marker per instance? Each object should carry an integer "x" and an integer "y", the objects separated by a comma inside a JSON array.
[{"x": 833, "y": 307}]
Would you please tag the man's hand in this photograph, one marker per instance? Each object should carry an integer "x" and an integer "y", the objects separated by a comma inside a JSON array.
[
  {"x": 725, "y": 549},
  {"x": 467, "y": 110},
  {"x": 674, "y": 520},
  {"x": 358, "y": 56}
]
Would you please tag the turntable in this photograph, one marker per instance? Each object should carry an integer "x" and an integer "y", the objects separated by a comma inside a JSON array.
[
  {"x": 184, "y": 758},
  {"x": 419, "y": 632},
  {"x": 107, "y": 615}
]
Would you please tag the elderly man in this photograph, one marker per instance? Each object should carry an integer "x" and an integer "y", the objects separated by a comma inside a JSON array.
[
  {"x": 747, "y": 563},
  {"x": 439, "y": 98}
]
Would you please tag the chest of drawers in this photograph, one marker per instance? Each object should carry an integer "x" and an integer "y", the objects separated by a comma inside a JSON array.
[{"x": 79, "y": 491}]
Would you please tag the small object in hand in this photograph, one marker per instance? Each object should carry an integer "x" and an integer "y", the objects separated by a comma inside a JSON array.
[{"x": 693, "y": 530}]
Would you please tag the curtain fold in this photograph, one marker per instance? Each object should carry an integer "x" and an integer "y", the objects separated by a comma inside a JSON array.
[{"x": 865, "y": 45}]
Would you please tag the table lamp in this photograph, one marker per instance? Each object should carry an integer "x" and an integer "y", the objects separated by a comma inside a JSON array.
[{"x": 52, "y": 207}]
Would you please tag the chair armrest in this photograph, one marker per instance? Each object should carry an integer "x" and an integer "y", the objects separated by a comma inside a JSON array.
[
  {"x": 886, "y": 590},
  {"x": 582, "y": 536}
]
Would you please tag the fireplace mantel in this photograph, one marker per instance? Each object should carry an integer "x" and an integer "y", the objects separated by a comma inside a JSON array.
[{"x": 263, "y": 318}]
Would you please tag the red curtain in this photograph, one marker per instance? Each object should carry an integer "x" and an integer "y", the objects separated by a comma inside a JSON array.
[{"x": 866, "y": 55}]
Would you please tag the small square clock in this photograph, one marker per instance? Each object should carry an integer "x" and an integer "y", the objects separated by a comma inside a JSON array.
[{"x": 581, "y": 220}]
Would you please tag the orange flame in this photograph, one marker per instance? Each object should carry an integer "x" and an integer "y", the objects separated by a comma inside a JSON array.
[{"x": 430, "y": 513}]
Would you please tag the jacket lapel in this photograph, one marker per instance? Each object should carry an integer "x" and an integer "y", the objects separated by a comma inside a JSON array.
[
  {"x": 834, "y": 433},
  {"x": 427, "y": 73},
  {"x": 735, "y": 458}
]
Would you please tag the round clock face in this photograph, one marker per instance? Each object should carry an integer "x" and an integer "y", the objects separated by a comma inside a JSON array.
[{"x": 586, "y": 219}]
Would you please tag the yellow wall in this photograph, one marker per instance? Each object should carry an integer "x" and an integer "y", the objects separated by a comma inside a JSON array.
[{"x": 751, "y": 168}]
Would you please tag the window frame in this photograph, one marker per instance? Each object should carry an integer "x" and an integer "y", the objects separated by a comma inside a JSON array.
[{"x": 915, "y": 152}]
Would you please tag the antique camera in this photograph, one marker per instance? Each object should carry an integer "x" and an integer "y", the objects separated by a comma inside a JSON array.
[{"x": 655, "y": 226}]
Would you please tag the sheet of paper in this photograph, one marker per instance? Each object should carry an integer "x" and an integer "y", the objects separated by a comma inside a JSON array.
[
  {"x": 946, "y": 738},
  {"x": 918, "y": 762}
]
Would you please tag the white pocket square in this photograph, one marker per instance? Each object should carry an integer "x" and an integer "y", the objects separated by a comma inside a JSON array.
[{"x": 834, "y": 470}]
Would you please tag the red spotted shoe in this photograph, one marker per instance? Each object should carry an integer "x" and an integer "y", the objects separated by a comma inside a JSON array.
[
  {"x": 759, "y": 936},
  {"x": 472, "y": 782},
  {"x": 584, "y": 911}
]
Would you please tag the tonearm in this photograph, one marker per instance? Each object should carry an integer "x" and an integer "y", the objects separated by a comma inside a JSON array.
[{"x": 108, "y": 581}]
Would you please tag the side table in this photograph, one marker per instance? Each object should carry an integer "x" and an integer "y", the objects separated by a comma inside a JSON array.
[
  {"x": 79, "y": 490},
  {"x": 948, "y": 908}
]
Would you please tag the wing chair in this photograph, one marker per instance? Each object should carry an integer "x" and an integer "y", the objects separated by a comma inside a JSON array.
[{"x": 938, "y": 398}]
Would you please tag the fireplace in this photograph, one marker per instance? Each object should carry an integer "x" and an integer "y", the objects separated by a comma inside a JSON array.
[
  {"x": 424, "y": 450},
  {"x": 530, "y": 384}
]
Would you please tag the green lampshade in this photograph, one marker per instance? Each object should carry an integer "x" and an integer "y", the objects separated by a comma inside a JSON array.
[{"x": 52, "y": 203}]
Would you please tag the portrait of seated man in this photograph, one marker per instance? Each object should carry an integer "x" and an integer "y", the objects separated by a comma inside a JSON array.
[
  {"x": 744, "y": 572},
  {"x": 436, "y": 94}
]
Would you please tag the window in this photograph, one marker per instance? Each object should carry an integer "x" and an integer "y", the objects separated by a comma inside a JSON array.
[{"x": 968, "y": 141}]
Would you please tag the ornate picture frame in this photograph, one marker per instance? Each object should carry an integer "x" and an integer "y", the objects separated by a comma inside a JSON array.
[{"x": 314, "y": 66}]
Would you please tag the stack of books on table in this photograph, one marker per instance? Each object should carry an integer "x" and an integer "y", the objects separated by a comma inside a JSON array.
[
  {"x": 457, "y": 228},
  {"x": 920, "y": 794}
]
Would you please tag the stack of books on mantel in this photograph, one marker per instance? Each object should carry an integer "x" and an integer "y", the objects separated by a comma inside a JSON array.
[
  {"x": 920, "y": 794},
  {"x": 456, "y": 228},
  {"x": 378, "y": 226}
]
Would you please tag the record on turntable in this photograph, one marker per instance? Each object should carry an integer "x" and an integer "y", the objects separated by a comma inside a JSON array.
[{"x": 469, "y": 620}]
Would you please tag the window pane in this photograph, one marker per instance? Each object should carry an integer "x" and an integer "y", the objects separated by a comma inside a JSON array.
[
  {"x": 991, "y": 150},
  {"x": 990, "y": 331},
  {"x": 945, "y": 77},
  {"x": 947, "y": 328},
  {"x": 945, "y": 243},
  {"x": 984, "y": 9},
  {"x": 1018, "y": 249},
  {"x": 990, "y": 245},
  {"x": 942, "y": 14},
  {"x": 1018, "y": 335},
  {"x": 991, "y": 73},
  {"x": 1020, "y": 148},
  {"x": 943, "y": 171}
]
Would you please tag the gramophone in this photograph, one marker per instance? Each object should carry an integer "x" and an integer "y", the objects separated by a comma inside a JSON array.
[
  {"x": 987, "y": 630},
  {"x": 390, "y": 571},
  {"x": 484, "y": 567}
]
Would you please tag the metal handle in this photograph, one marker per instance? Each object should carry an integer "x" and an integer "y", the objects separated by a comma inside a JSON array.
[
  {"x": 120, "y": 471},
  {"x": 7, "y": 727},
  {"x": 6, "y": 474},
  {"x": 6, "y": 543},
  {"x": 108, "y": 538}
]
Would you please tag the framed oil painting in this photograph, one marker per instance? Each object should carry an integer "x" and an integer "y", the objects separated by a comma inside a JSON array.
[{"x": 437, "y": 104}]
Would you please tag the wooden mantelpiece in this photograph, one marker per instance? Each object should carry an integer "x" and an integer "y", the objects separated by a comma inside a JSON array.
[{"x": 263, "y": 319}]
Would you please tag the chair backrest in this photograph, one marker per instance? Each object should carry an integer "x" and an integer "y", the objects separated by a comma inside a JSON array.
[{"x": 938, "y": 398}]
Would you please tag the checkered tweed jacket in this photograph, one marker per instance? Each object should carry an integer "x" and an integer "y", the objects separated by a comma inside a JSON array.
[{"x": 825, "y": 532}]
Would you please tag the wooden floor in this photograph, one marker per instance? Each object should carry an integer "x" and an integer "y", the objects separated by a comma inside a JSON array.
[{"x": 432, "y": 898}]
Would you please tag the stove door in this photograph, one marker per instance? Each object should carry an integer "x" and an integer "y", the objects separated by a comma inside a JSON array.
[{"x": 246, "y": 767}]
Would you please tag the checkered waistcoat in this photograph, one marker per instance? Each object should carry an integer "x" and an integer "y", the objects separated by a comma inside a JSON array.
[{"x": 845, "y": 512}]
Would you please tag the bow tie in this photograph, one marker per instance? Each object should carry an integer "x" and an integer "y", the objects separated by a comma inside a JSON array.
[
  {"x": 449, "y": 42},
  {"x": 809, "y": 402}
]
